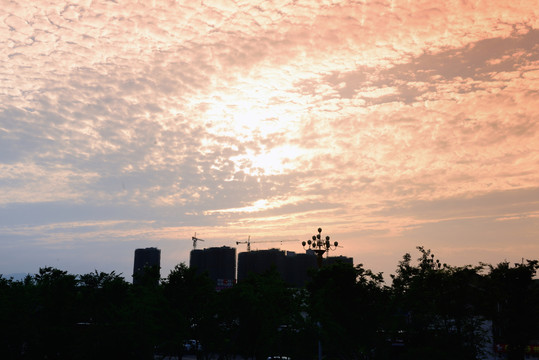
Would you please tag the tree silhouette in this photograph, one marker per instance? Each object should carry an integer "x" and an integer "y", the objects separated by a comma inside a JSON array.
[
  {"x": 440, "y": 308},
  {"x": 188, "y": 296},
  {"x": 17, "y": 306},
  {"x": 255, "y": 313},
  {"x": 103, "y": 306},
  {"x": 348, "y": 304},
  {"x": 514, "y": 308},
  {"x": 430, "y": 310}
]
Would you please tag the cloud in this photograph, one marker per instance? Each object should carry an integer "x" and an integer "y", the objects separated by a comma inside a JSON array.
[{"x": 383, "y": 119}]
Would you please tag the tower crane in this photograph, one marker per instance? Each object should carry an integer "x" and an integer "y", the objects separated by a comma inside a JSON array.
[
  {"x": 195, "y": 239},
  {"x": 248, "y": 242}
]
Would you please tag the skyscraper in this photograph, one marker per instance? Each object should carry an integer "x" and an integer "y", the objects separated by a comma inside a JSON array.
[
  {"x": 295, "y": 269},
  {"x": 260, "y": 261},
  {"x": 147, "y": 264},
  {"x": 218, "y": 262}
]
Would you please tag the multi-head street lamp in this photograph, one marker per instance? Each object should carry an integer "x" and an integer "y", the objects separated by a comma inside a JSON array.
[{"x": 319, "y": 246}]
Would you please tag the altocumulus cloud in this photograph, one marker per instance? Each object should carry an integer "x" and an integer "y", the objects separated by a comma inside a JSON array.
[{"x": 390, "y": 124}]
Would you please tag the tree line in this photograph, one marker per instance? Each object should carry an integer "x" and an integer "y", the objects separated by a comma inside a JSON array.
[{"x": 430, "y": 310}]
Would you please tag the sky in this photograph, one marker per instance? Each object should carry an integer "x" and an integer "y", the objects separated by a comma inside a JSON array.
[{"x": 389, "y": 124}]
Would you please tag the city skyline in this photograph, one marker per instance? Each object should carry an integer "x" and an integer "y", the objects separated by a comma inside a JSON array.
[{"x": 389, "y": 124}]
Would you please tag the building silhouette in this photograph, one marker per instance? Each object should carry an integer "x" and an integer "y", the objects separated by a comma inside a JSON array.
[
  {"x": 218, "y": 262},
  {"x": 147, "y": 264},
  {"x": 338, "y": 259},
  {"x": 260, "y": 261},
  {"x": 295, "y": 269},
  {"x": 299, "y": 268}
]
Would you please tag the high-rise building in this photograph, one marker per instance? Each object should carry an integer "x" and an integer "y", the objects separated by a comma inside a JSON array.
[
  {"x": 295, "y": 269},
  {"x": 218, "y": 262},
  {"x": 147, "y": 263},
  {"x": 299, "y": 267},
  {"x": 260, "y": 261}
]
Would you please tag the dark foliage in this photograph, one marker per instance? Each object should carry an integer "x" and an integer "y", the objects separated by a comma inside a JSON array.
[
  {"x": 440, "y": 307},
  {"x": 514, "y": 306},
  {"x": 348, "y": 304},
  {"x": 431, "y": 310}
]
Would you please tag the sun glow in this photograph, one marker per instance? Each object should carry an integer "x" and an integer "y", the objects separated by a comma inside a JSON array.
[
  {"x": 259, "y": 205},
  {"x": 275, "y": 161},
  {"x": 244, "y": 121},
  {"x": 264, "y": 131}
]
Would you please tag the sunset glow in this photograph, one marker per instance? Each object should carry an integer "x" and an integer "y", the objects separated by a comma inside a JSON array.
[{"x": 391, "y": 124}]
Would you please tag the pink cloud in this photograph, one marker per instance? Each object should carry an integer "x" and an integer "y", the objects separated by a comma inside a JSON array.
[{"x": 334, "y": 112}]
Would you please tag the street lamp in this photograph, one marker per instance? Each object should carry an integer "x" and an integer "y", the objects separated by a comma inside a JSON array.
[{"x": 319, "y": 246}]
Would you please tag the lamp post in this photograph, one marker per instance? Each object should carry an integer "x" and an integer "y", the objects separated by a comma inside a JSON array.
[{"x": 319, "y": 246}]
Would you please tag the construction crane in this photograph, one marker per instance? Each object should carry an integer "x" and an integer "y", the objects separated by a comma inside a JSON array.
[
  {"x": 195, "y": 239},
  {"x": 248, "y": 242}
]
